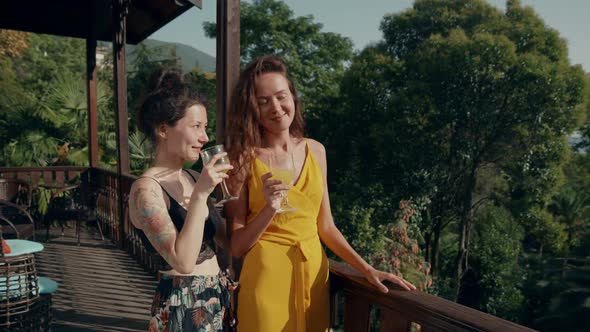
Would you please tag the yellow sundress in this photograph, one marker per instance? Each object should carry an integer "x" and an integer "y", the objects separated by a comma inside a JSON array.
[{"x": 284, "y": 279}]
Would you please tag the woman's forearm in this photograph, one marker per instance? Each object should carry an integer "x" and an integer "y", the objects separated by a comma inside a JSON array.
[
  {"x": 333, "y": 239},
  {"x": 244, "y": 238}
]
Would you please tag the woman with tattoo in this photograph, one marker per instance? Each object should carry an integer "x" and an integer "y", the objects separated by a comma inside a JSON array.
[{"x": 168, "y": 206}]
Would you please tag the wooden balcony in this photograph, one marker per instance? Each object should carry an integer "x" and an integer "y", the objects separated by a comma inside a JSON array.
[
  {"x": 101, "y": 288},
  {"x": 108, "y": 285}
]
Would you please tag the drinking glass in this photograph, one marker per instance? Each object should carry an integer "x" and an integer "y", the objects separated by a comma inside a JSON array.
[
  {"x": 286, "y": 175},
  {"x": 206, "y": 155}
]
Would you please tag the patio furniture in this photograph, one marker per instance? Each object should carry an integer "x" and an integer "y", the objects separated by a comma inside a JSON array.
[
  {"x": 61, "y": 205},
  {"x": 76, "y": 202},
  {"x": 15, "y": 201},
  {"x": 25, "y": 297},
  {"x": 19, "y": 221},
  {"x": 16, "y": 191},
  {"x": 19, "y": 286},
  {"x": 43, "y": 309}
]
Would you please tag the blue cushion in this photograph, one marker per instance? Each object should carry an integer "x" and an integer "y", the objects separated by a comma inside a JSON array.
[
  {"x": 16, "y": 284},
  {"x": 19, "y": 282},
  {"x": 21, "y": 247},
  {"x": 47, "y": 286}
]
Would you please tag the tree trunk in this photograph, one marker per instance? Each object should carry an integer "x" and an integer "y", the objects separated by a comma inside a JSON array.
[
  {"x": 466, "y": 219},
  {"x": 435, "y": 248},
  {"x": 426, "y": 221},
  {"x": 427, "y": 249}
]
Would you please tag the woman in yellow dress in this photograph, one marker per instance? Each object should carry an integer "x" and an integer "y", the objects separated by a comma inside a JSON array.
[{"x": 284, "y": 278}]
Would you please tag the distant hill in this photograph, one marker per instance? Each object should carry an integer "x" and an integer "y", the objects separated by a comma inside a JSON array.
[{"x": 189, "y": 56}]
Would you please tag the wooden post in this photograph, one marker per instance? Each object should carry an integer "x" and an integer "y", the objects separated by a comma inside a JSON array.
[
  {"x": 228, "y": 59},
  {"x": 391, "y": 320},
  {"x": 92, "y": 102},
  {"x": 120, "y": 11},
  {"x": 356, "y": 313}
]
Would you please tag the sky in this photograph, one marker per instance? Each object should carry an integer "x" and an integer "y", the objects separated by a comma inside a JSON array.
[{"x": 359, "y": 20}]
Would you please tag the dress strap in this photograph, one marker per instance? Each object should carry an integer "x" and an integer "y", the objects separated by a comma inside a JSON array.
[{"x": 190, "y": 174}]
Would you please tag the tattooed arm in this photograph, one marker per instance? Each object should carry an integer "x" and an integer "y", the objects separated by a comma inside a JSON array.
[{"x": 148, "y": 212}]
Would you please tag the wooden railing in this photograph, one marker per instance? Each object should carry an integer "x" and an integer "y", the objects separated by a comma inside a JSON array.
[
  {"x": 115, "y": 225},
  {"x": 118, "y": 224},
  {"x": 398, "y": 310},
  {"x": 48, "y": 175},
  {"x": 364, "y": 307}
]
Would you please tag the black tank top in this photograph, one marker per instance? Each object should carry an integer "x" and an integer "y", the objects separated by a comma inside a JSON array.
[{"x": 178, "y": 215}]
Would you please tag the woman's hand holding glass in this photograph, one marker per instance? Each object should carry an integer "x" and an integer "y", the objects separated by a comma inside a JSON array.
[
  {"x": 284, "y": 172},
  {"x": 272, "y": 190},
  {"x": 215, "y": 168}
]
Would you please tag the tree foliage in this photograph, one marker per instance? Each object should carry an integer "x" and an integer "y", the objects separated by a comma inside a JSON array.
[
  {"x": 12, "y": 43},
  {"x": 461, "y": 109},
  {"x": 455, "y": 88},
  {"x": 316, "y": 59}
]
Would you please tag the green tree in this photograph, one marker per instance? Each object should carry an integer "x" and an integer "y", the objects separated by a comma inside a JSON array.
[
  {"x": 455, "y": 87},
  {"x": 46, "y": 59},
  {"x": 12, "y": 43},
  {"x": 572, "y": 209},
  {"x": 316, "y": 59},
  {"x": 495, "y": 277},
  {"x": 206, "y": 84},
  {"x": 585, "y": 130},
  {"x": 44, "y": 121}
]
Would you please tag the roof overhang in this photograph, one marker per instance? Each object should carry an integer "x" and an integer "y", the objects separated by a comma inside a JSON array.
[{"x": 87, "y": 18}]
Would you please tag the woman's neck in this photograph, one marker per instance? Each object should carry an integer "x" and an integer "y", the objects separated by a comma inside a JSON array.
[
  {"x": 167, "y": 165},
  {"x": 277, "y": 142}
]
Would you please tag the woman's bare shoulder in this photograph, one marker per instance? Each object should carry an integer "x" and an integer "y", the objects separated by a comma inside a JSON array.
[
  {"x": 146, "y": 180},
  {"x": 317, "y": 148}
]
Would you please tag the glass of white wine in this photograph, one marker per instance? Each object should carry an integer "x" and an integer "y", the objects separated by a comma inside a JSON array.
[
  {"x": 286, "y": 174},
  {"x": 206, "y": 156}
]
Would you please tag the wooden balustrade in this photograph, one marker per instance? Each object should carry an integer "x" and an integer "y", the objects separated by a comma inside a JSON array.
[
  {"x": 365, "y": 308},
  {"x": 120, "y": 231},
  {"x": 57, "y": 175},
  {"x": 399, "y": 310},
  {"x": 106, "y": 184}
]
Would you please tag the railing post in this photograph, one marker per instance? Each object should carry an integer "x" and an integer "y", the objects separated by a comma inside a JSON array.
[
  {"x": 120, "y": 11},
  {"x": 356, "y": 312},
  {"x": 392, "y": 321}
]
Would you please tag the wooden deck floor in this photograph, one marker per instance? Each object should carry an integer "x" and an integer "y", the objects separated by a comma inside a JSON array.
[{"x": 101, "y": 288}]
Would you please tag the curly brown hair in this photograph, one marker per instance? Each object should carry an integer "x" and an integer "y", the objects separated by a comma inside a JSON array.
[
  {"x": 166, "y": 100},
  {"x": 243, "y": 128}
]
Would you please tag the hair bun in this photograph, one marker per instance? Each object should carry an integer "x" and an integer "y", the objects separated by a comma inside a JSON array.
[{"x": 165, "y": 79}]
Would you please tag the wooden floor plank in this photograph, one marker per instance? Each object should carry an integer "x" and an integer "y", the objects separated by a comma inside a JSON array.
[{"x": 101, "y": 288}]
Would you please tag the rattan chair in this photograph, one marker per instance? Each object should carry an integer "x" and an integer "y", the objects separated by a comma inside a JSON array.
[
  {"x": 15, "y": 201},
  {"x": 78, "y": 205},
  {"x": 16, "y": 191},
  {"x": 17, "y": 221},
  {"x": 19, "y": 293}
]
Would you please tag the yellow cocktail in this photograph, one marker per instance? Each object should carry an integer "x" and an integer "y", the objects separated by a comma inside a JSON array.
[{"x": 285, "y": 175}]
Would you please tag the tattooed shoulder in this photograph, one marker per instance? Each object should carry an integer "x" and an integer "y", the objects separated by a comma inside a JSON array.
[{"x": 146, "y": 204}]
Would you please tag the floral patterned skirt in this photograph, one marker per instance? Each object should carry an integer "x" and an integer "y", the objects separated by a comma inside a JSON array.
[{"x": 193, "y": 303}]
